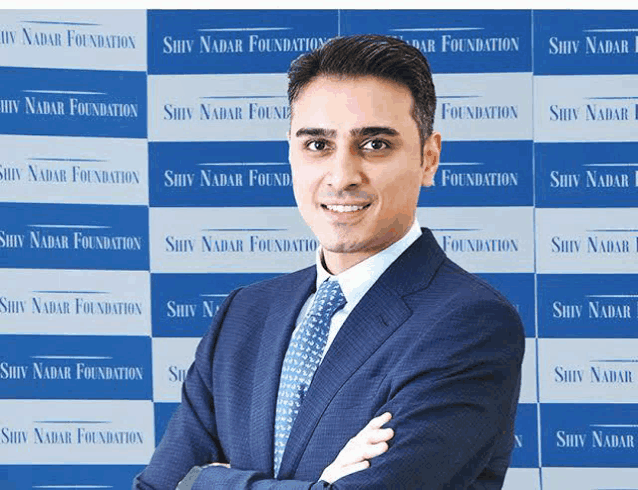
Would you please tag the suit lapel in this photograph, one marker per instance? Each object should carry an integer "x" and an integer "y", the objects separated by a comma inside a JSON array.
[
  {"x": 275, "y": 337},
  {"x": 379, "y": 313}
]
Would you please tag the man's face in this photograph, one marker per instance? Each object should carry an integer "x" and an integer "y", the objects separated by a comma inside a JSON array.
[{"x": 357, "y": 165}]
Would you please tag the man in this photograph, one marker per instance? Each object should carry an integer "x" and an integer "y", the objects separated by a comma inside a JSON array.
[{"x": 387, "y": 330}]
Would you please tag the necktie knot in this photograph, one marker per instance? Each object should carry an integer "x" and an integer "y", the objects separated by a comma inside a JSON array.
[{"x": 328, "y": 299}]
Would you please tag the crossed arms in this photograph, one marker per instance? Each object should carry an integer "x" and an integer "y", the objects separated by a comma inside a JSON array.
[{"x": 448, "y": 420}]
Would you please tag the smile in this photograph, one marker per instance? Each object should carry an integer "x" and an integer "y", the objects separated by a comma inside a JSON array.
[{"x": 340, "y": 208}]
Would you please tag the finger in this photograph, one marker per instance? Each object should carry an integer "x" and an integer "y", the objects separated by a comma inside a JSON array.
[
  {"x": 356, "y": 453},
  {"x": 350, "y": 454},
  {"x": 335, "y": 471},
  {"x": 373, "y": 426},
  {"x": 378, "y": 435},
  {"x": 352, "y": 468},
  {"x": 374, "y": 450},
  {"x": 378, "y": 422}
]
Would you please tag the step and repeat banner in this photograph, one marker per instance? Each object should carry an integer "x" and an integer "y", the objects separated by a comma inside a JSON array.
[{"x": 144, "y": 176}]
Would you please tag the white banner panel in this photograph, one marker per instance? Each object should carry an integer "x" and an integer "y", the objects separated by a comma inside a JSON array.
[
  {"x": 75, "y": 302},
  {"x": 484, "y": 106},
  {"x": 586, "y": 108},
  {"x": 171, "y": 359},
  {"x": 588, "y": 370},
  {"x": 590, "y": 478},
  {"x": 85, "y": 39},
  {"x": 230, "y": 240},
  {"x": 486, "y": 239},
  {"x": 218, "y": 107},
  {"x": 81, "y": 431},
  {"x": 577, "y": 241},
  {"x": 522, "y": 479},
  {"x": 73, "y": 170}
]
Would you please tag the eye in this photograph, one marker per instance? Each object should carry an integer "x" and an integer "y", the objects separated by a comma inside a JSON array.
[
  {"x": 375, "y": 145},
  {"x": 316, "y": 145}
]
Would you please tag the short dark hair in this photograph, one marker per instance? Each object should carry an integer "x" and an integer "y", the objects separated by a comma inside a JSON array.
[{"x": 371, "y": 55}]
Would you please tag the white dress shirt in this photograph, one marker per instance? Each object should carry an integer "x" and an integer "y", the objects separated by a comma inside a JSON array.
[{"x": 357, "y": 280}]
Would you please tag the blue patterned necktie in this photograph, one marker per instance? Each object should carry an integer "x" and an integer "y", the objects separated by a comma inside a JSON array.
[{"x": 301, "y": 361}]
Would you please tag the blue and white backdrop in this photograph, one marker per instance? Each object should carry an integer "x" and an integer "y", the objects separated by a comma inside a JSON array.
[{"x": 144, "y": 175}]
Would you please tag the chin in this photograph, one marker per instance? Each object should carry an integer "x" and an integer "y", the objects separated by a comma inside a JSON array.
[{"x": 344, "y": 246}]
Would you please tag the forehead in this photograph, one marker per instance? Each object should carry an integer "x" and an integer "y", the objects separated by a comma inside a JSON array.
[{"x": 339, "y": 102}]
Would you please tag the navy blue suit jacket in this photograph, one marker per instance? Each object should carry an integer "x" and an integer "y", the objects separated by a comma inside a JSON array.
[{"x": 430, "y": 343}]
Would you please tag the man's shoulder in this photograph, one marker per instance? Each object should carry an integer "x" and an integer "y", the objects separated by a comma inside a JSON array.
[
  {"x": 459, "y": 308},
  {"x": 461, "y": 296},
  {"x": 465, "y": 284}
]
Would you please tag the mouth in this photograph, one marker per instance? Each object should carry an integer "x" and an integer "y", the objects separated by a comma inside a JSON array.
[{"x": 345, "y": 208}]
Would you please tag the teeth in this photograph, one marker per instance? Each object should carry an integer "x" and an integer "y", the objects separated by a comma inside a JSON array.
[{"x": 343, "y": 209}]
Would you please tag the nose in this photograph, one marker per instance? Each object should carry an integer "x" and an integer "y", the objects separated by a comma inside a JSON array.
[{"x": 346, "y": 171}]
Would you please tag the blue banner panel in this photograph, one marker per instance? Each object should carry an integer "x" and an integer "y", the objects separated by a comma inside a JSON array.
[
  {"x": 28, "y": 477},
  {"x": 588, "y": 305},
  {"x": 73, "y": 102},
  {"x": 183, "y": 305},
  {"x": 234, "y": 41},
  {"x": 222, "y": 174},
  {"x": 458, "y": 41},
  {"x": 68, "y": 236},
  {"x": 519, "y": 290},
  {"x": 572, "y": 42},
  {"x": 586, "y": 175},
  {"x": 589, "y": 435},
  {"x": 482, "y": 173},
  {"x": 75, "y": 367},
  {"x": 163, "y": 414},
  {"x": 525, "y": 453}
]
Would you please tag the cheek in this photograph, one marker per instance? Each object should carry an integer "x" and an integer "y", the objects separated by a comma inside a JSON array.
[
  {"x": 402, "y": 192},
  {"x": 297, "y": 191},
  {"x": 302, "y": 186}
]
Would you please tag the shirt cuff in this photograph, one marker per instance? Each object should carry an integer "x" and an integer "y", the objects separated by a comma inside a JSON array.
[{"x": 189, "y": 480}]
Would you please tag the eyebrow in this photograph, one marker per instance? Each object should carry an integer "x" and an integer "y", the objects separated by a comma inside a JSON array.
[
  {"x": 365, "y": 131},
  {"x": 374, "y": 131},
  {"x": 326, "y": 133}
]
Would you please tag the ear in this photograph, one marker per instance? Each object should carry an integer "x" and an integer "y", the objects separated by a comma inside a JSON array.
[{"x": 431, "y": 155}]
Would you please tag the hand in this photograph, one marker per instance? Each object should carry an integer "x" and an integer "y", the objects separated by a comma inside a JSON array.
[{"x": 368, "y": 443}]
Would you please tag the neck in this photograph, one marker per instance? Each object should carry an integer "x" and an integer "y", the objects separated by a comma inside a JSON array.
[{"x": 337, "y": 262}]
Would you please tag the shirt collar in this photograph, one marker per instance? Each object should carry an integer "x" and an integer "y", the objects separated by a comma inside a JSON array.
[{"x": 358, "y": 279}]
